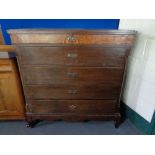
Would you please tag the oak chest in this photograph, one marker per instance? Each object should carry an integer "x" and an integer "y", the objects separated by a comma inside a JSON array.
[{"x": 72, "y": 74}]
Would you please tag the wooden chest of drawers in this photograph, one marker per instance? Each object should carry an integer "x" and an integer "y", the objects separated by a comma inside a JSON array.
[{"x": 72, "y": 74}]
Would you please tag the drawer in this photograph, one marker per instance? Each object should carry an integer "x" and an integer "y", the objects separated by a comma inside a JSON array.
[
  {"x": 72, "y": 91},
  {"x": 76, "y": 38},
  {"x": 67, "y": 75},
  {"x": 77, "y": 56},
  {"x": 71, "y": 106}
]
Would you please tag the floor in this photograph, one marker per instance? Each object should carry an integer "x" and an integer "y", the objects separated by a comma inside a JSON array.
[{"x": 67, "y": 128}]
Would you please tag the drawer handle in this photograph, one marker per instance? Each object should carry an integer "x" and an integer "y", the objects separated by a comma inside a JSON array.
[
  {"x": 72, "y": 75},
  {"x": 72, "y": 55},
  {"x": 71, "y": 38},
  {"x": 72, "y": 107},
  {"x": 72, "y": 92}
]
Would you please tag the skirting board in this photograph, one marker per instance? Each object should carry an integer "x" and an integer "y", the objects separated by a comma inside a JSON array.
[{"x": 144, "y": 126}]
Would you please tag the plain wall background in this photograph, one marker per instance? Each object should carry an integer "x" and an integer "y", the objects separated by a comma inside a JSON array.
[
  {"x": 56, "y": 23},
  {"x": 139, "y": 92}
]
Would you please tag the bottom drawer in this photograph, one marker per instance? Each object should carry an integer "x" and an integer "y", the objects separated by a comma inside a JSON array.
[{"x": 72, "y": 106}]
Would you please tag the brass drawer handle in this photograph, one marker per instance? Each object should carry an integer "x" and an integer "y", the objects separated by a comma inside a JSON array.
[
  {"x": 72, "y": 92},
  {"x": 71, "y": 38},
  {"x": 72, "y": 55},
  {"x": 72, "y": 75},
  {"x": 72, "y": 107}
]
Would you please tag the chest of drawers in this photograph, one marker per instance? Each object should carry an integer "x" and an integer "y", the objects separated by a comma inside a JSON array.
[{"x": 72, "y": 74}]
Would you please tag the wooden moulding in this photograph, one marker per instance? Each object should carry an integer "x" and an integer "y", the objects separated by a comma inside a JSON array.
[{"x": 7, "y": 48}]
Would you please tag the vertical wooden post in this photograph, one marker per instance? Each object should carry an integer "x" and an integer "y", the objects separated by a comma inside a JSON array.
[{"x": 1, "y": 37}]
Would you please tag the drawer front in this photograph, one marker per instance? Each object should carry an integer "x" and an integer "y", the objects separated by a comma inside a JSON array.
[
  {"x": 67, "y": 75},
  {"x": 71, "y": 106},
  {"x": 72, "y": 39},
  {"x": 78, "y": 56},
  {"x": 72, "y": 91}
]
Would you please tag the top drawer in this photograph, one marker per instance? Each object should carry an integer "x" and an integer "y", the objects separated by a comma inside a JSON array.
[
  {"x": 99, "y": 37},
  {"x": 73, "y": 39}
]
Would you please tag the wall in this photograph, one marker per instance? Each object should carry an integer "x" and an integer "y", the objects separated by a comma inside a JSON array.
[
  {"x": 57, "y": 23},
  {"x": 139, "y": 91}
]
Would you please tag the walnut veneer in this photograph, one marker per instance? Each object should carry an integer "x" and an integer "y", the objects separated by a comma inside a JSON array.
[{"x": 72, "y": 74}]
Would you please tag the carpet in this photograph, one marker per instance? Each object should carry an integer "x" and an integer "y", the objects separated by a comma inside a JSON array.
[{"x": 67, "y": 128}]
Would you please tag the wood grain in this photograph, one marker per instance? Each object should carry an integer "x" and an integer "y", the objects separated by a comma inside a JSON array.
[
  {"x": 72, "y": 74},
  {"x": 11, "y": 99},
  {"x": 76, "y": 75},
  {"x": 73, "y": 56},
  {"x": 79, "y": 39},
  {"x": 100, "y": 91},
  {"x": 71, "y": 106}
]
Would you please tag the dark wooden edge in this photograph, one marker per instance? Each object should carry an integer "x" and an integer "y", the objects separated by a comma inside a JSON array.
[
  {"x": 71, "y": 45},
  {"x": 71, "y": 117},
  {"x": 12, "y": 118},
  {"x": 34, "y": 119}
]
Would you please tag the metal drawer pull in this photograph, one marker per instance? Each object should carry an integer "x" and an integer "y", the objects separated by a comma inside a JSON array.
[
  {"x": 72, "y": 92},
  {"x": 72, "y": 107},
  {"x": 72, "y": 55},
  {"x": 71, "y": 38},
  {"x": 72, "y": 75}
]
